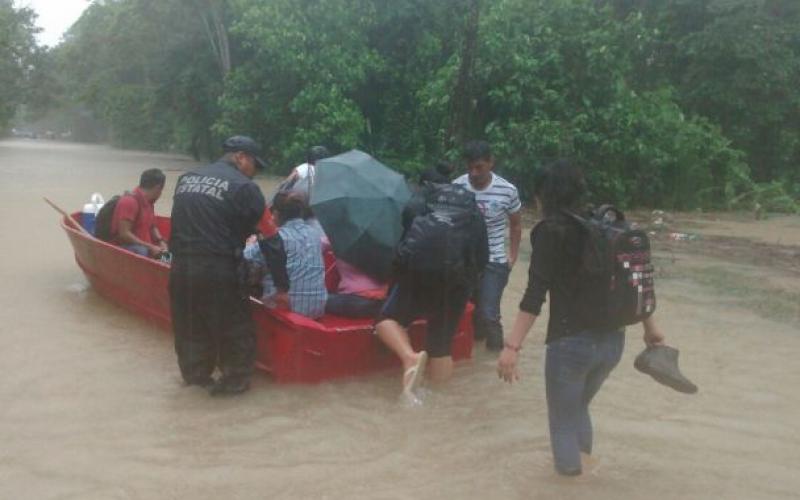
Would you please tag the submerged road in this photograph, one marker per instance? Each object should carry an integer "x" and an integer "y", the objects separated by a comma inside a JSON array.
[{"x": 92, "y": 405}]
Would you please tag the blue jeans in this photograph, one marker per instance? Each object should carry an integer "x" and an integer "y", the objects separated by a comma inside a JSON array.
[
  {"x": 490, "y": 288},
  {"x": 575, "y": 368},
  {"x": 137, "y": 249}
]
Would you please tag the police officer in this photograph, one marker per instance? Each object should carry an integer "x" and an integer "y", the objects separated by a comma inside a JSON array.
[{"x": 215, "y": 209}]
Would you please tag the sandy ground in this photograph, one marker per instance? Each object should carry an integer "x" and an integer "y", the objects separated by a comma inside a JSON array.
[{"x": 91, "y": 404}]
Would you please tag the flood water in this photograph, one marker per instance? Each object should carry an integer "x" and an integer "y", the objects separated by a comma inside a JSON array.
[{"x": 92, "y": 405}]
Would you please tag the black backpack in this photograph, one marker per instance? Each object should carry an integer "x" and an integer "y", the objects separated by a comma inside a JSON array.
[
  {"x": 446, "y": 238},
  {"x": 616, "y": 261},
  {"x": 102, "y": 221}
]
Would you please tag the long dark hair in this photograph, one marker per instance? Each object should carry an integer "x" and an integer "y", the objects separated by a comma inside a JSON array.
[{"x": 559, "y": 186}]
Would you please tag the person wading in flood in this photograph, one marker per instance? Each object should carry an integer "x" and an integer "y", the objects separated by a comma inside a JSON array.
[
  {"x": 500, "y": 206},
  {"x": 583, "y": 344},
  {"x": 442, "y": 250},
  {"x": 215, "y": 209}
]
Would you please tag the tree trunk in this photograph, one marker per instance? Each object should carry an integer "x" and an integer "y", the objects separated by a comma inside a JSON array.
[
  {"x": 461, "y": 105},
  {"x": 212, "y": 12}
]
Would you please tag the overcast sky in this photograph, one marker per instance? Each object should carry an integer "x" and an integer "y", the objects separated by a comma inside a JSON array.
[{"x": 55, "y": 16}]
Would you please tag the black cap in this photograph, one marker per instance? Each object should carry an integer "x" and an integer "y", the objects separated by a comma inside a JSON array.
[{"x": 246, "y": 145}]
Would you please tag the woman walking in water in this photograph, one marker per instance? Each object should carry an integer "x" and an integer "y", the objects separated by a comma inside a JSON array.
[{"x": 579, "y": 355}]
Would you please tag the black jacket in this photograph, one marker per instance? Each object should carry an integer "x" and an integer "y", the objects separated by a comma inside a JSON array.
[
  {"x": 214, "y": 210},
  {"x": 557, "y": 248}
]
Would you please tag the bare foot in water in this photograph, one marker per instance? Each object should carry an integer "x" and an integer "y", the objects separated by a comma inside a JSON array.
[
  {"x": 589, "y": 467},
  {"x": 589, "y": 464}
]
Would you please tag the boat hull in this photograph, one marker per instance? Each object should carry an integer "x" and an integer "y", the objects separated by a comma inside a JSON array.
[{"x": 291, "y": 347}]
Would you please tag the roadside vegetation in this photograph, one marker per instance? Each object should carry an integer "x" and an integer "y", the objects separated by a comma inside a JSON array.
[{"x": 675, "y": 104}]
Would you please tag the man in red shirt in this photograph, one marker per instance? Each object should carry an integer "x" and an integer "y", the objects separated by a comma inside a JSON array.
[{"x": 133, "y": 223}]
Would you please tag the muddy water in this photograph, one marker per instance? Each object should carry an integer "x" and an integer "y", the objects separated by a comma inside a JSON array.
[{"x": 91, "y": 404}]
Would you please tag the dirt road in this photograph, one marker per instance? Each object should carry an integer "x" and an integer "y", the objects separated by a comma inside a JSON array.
[{"x": 91, "y": 403}]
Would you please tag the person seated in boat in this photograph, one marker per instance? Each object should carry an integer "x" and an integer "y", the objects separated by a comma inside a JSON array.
[
  {"x": 357, "y": 294},
  {"x": 302, "y": 177},
  {"x": 304, "y": 263},
  {"x": 133, "y": 224}
]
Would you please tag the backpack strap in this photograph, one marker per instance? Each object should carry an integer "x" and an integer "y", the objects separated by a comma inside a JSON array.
[
  {"x": 582, "y": 221},
  {"x": 135, "y": 198},
  {"x": 593, "y": 260},
  {"x": 605, "y": 209}
]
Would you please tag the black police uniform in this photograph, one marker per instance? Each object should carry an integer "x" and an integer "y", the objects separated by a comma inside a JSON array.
[{"x": 215, "y": 209}]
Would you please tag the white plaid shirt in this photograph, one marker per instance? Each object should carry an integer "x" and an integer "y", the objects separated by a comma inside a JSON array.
[{"x": 304, "y": 263}]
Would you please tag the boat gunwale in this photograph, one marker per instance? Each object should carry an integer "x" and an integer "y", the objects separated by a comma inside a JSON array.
[{"x": 287, "y": 317}]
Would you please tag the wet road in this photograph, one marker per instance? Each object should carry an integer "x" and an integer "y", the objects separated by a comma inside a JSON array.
[{"x": 92, "y": 406}]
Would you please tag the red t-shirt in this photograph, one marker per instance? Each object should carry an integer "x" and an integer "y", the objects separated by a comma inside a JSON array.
[{"x": 137, "y": 209}]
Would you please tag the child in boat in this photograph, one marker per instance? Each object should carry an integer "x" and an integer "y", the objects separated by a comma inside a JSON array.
[{"x": 304, "y": 264}]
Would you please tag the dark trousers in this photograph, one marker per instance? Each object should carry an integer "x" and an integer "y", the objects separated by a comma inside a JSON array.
[
  {"x": 489, "y": 292},
  {"x": 575, "y": 368},
  {"x": 211, "y": 319},
  {"x": 440, "y": 301},
  {"x": 352, "y": 306}
]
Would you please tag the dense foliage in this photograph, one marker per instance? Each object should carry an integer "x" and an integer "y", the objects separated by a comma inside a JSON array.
[
  {"x": 18, "y": 54},
  {"x": 145, "y": 68},
  {"x": 669, "y": 103}
]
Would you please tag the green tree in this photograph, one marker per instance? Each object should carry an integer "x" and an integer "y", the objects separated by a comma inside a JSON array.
[
  {"x": 667, "y": 102},
  {"x": 734, "y": 62},
  {"x": 741, "y": 72},
  {"x": 299, "y": 67},
  {"x": 147, "y": 70},
  {"x": 17, "y": 54},
  {"x": 554, "y": 80}
]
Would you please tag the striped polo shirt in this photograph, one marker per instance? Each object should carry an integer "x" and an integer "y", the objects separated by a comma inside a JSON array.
[{"x": 497, "y": 201}]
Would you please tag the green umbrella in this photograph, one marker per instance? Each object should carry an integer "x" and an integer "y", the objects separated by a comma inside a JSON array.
[{"x": 359, "y": 203}]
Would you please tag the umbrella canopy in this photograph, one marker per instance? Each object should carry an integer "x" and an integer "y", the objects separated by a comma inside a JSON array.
[{"x": 359, "y": 202}]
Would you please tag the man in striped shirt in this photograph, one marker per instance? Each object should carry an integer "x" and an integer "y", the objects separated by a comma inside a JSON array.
[{"x": 499, "y": 202}]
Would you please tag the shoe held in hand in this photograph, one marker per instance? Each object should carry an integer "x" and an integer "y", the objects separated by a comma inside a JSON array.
[{"x": 661, "y": 363}]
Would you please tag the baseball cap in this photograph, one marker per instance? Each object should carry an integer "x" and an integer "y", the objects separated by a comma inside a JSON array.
[{"x": 246, "y": 145}]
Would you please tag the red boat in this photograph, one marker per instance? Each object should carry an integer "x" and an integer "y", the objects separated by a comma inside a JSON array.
[{"x": 292, "y": 347}]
